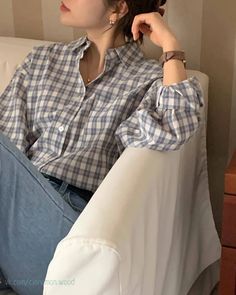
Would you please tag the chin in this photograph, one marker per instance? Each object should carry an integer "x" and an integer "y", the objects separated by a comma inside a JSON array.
[{"x": 65, "y": 21}]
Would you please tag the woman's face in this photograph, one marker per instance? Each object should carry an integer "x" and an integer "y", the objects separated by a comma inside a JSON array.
[{"x": 85, "y": 14}]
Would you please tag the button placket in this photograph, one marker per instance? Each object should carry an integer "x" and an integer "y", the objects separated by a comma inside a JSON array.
[{"x": 61, "y": 128}]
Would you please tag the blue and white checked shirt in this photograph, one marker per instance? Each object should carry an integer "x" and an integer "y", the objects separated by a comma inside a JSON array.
[{"x": 76, "y": 132}]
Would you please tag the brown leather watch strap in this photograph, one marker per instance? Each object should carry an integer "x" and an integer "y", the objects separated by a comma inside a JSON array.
[{"x": 167, "y": 55}]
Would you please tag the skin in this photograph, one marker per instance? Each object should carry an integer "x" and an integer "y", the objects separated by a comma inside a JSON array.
[
  {"x": 154, "y": 27},
  {"x": 93, "y": 17}
]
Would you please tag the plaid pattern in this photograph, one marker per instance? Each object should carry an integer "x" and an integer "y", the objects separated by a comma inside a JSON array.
[{"x": 76, "y": 132}]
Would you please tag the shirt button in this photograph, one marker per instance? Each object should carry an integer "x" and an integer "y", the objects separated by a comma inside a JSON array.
[{"x": 61, "y": 128}]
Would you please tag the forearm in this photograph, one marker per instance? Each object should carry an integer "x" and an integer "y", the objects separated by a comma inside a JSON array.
[{"x": 173, "y": 70}]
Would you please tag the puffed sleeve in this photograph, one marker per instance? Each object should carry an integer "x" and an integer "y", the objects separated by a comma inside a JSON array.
[
  {"x": 166, "y": 118},
  {"x": 13, "y": 102}
]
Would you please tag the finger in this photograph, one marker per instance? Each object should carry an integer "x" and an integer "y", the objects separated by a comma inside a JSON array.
[
  {"x": 138, "y": 20},
  {"x": 145, "y": 29}
]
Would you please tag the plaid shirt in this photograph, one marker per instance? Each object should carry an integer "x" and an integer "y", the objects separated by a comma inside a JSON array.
[{"x": 76, "y": 132}]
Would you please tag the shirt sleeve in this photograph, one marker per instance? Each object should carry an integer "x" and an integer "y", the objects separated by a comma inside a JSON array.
[
  {"x": 13, "y": 101},
  {"x": 166, "y": 118}
]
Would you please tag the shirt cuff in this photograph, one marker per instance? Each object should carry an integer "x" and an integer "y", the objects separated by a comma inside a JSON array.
[{"x": 187, "y": 94}]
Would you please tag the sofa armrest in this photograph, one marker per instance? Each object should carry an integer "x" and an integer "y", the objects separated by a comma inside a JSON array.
[
  {"x": 116, "y": 218},
  {"x": 87, "y": 278},
  {"x": 151, "y": 213},
  {"x": 12, "y": 52}
]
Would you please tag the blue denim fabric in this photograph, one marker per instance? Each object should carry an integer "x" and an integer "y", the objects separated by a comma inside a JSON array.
[
  {"x": 73, "y": 199},
  {"x": 35, "y": 215}
]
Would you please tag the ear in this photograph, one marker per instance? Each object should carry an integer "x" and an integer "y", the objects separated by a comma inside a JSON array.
[{"x": 122, "y": 8}]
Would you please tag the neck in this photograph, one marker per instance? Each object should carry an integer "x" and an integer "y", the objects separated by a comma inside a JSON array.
[{"x": 99, "y": 45}]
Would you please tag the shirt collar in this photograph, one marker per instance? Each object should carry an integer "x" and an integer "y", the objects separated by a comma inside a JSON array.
[{"x": 127, "y": 53}]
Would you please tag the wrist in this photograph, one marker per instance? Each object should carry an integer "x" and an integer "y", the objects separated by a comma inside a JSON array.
[{"x": 171, "y": 44}]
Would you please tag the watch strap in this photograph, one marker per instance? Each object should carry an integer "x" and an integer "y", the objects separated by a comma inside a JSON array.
[{"x": 174, "y": 54}]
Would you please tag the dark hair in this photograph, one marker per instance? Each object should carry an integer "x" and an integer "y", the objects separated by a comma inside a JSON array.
[{"x": 135, "y": 7}]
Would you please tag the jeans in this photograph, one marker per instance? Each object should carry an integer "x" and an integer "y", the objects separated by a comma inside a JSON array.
[{"x": 35, "y": 215}]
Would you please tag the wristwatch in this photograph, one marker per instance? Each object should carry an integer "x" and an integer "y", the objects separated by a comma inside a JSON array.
[{"x": 167, "y": 55}]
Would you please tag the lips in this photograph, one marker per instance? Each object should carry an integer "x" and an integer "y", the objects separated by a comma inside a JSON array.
[{"x": 63, "y": 5}]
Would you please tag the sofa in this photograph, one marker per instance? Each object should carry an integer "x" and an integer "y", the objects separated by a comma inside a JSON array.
[{"x": 149, "y": 227}]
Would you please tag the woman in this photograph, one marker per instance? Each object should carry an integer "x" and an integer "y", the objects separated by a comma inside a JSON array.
[{"x": 67, "y": 115}]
